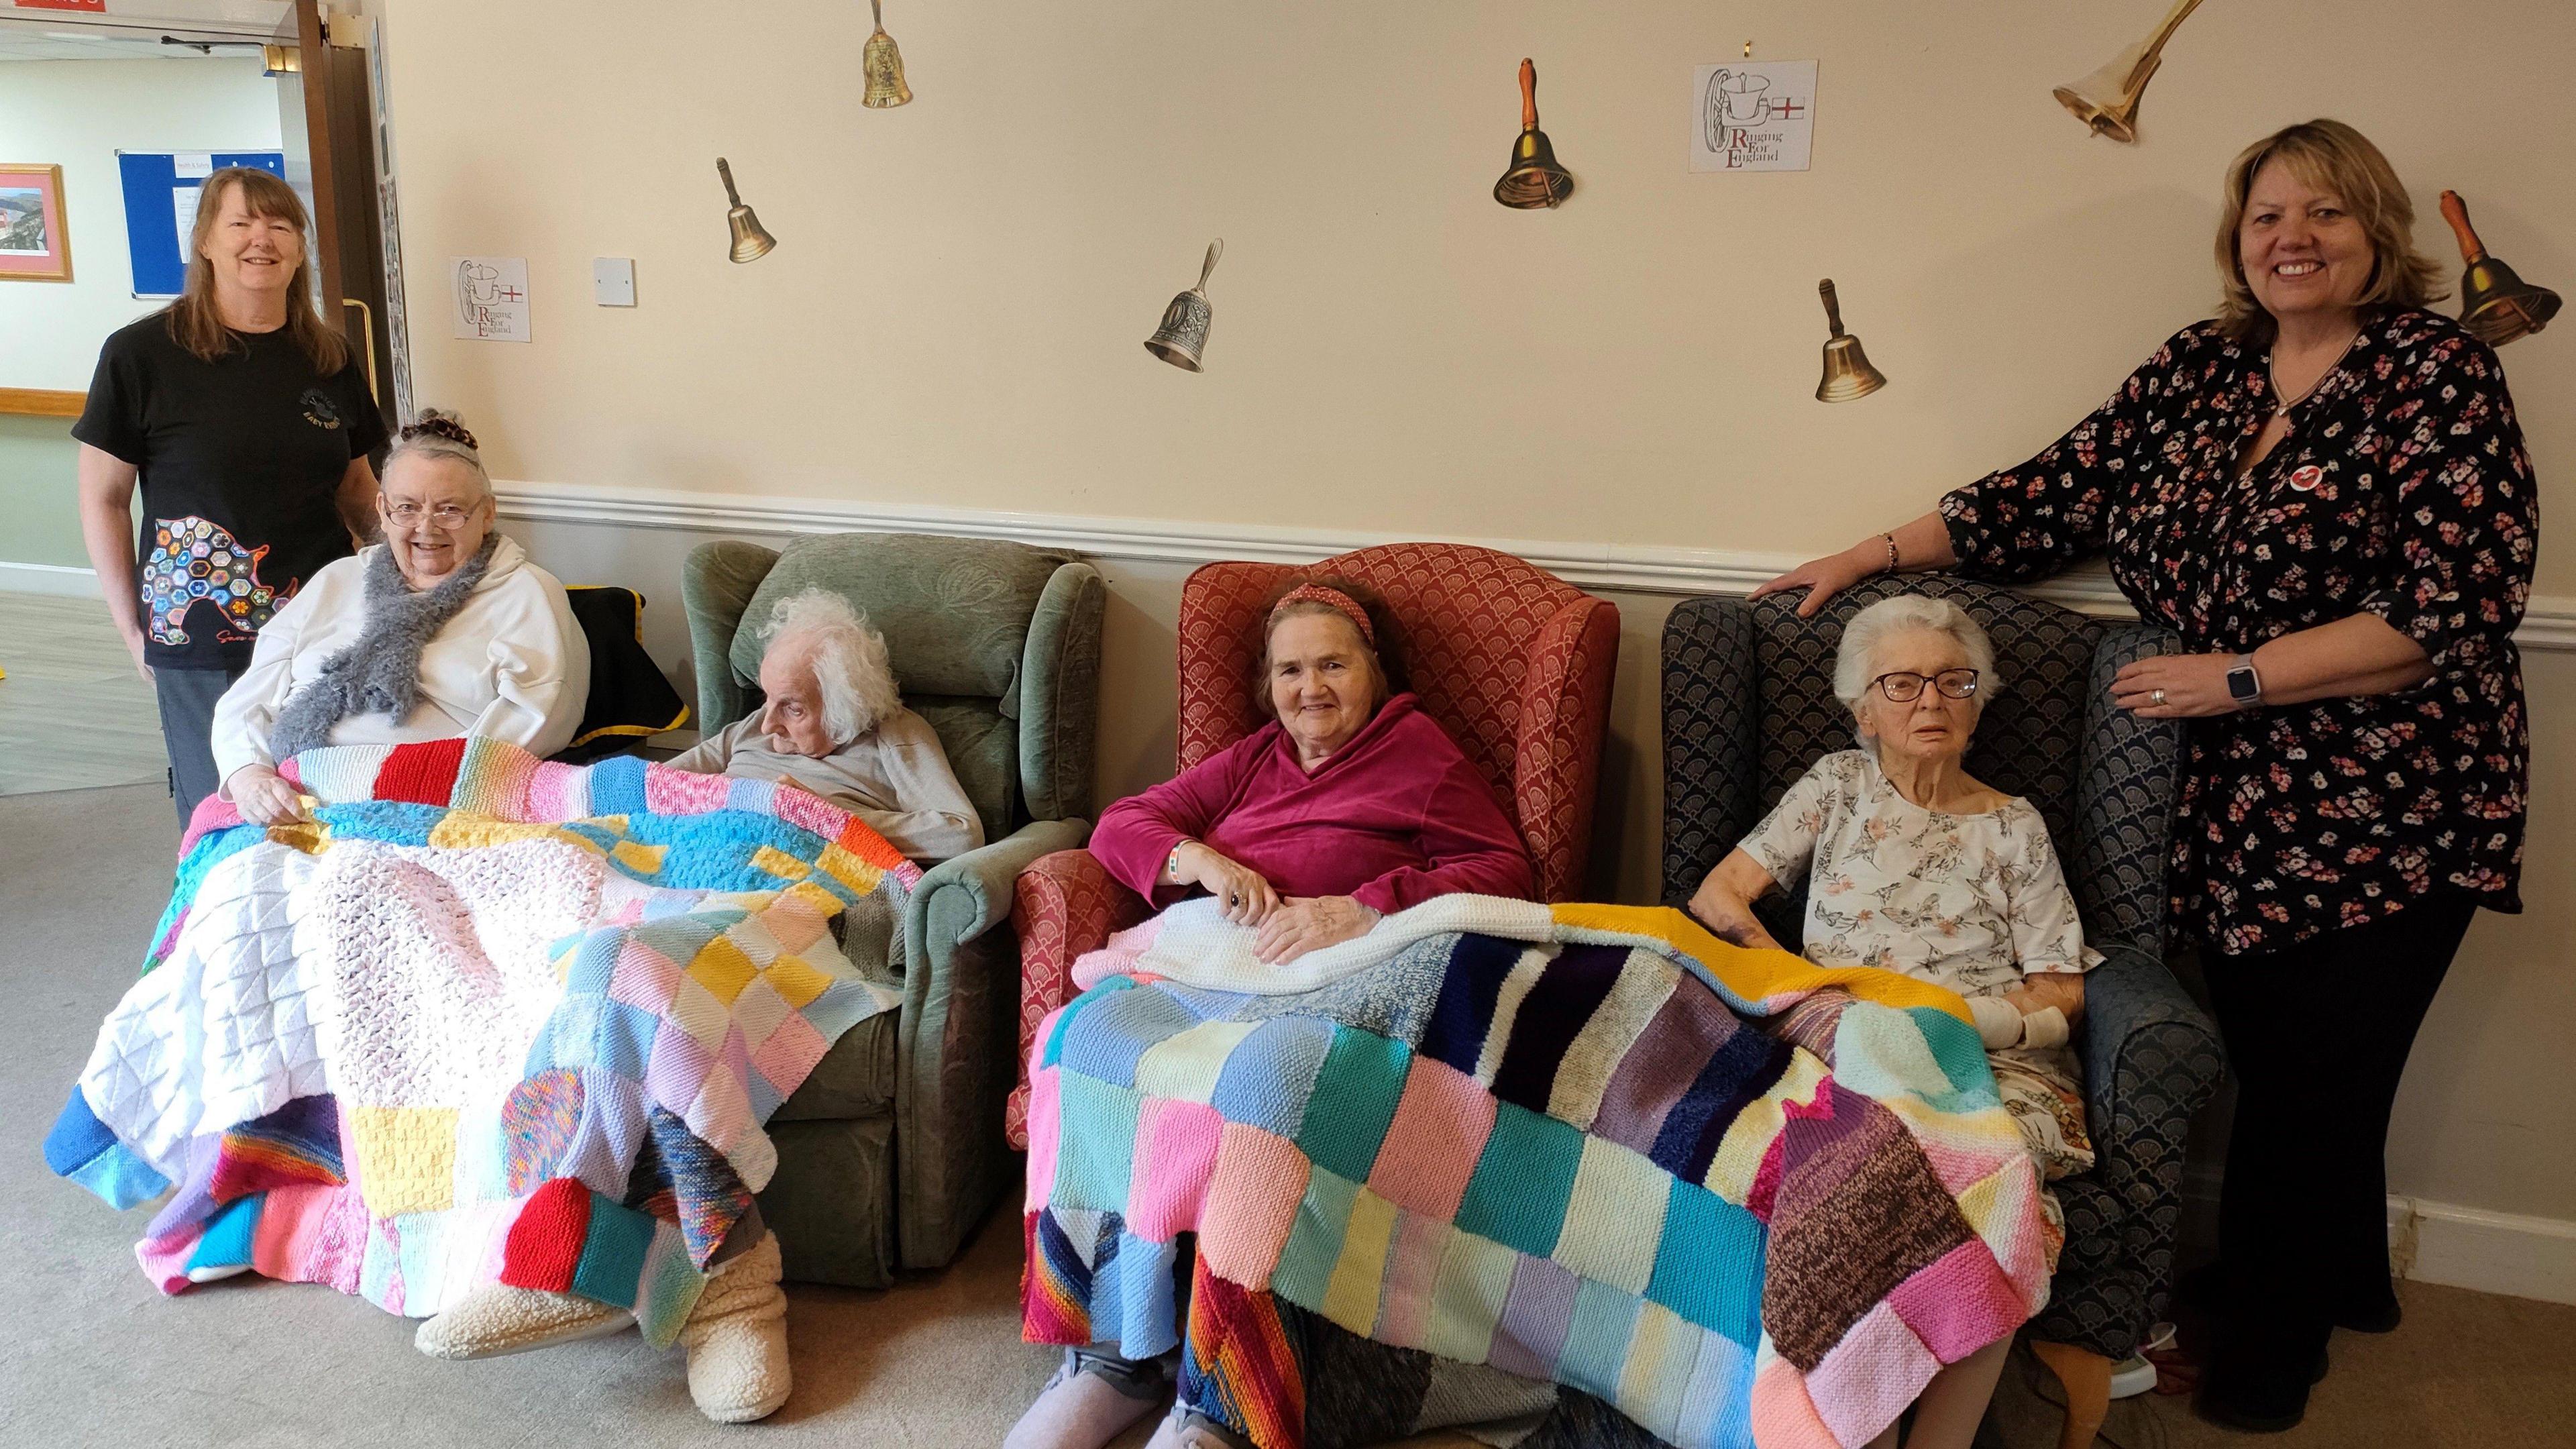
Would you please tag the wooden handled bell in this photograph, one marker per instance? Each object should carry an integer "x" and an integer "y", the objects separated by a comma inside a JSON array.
[
  {"x": 750, "y": 241},
  {"x": 1848, "y": 374},
  {"x": 2495, "y": 305},
  {"x": 1533, "y": 179}
]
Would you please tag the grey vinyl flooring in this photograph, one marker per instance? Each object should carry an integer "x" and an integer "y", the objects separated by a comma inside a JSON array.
[
  {"x": 73, "y": 713},
  {"x": 93, "y": 1356}
]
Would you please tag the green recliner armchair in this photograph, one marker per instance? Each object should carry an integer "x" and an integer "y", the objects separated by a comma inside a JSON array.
[{"x": 892, "y": 1151}]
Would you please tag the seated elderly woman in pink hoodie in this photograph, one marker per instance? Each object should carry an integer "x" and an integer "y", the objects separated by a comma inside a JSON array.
[{"x": 1351, "y": 804}]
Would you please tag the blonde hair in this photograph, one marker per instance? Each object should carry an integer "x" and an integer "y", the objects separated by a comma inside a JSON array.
[
  {"x": 847, "y": 655},
  {"x": 2330, "y": 156},
  {"x": 197, "y": 324}
]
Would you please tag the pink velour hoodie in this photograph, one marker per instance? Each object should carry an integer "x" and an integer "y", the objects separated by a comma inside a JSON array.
[{"x": 1391, "y": 819}]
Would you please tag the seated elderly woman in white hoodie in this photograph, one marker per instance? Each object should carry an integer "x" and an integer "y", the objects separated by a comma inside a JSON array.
[
  {"x": 443, "y": 629},
  {"x": 834, "y": 724}
]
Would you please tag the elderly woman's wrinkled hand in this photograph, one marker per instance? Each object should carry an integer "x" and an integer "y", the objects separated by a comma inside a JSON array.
[
  {"x": 1242, "y": 894},
  {"x": 264, "y": 797},
  {"x": 1310, "y": 923}
]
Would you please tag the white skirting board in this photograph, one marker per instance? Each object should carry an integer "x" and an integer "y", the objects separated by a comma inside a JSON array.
[
  {"x": 2464, "y": 1247},
  {"x": 59, "y": 579}
]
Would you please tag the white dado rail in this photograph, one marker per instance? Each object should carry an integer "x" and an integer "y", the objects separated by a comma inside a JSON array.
[{"x": 2550, "y": 623}]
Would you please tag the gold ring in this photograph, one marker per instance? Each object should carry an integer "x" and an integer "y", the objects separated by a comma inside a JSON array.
[{"x": 2158, "y": 697}]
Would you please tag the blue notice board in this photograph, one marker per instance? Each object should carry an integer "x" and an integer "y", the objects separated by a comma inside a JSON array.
[{"x": 157, "y": 194}]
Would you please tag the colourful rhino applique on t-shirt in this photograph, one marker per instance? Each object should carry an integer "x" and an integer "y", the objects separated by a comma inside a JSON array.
[{"x": 196, "y": 559}]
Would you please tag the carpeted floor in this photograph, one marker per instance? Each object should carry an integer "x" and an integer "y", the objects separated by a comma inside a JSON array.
[{"x": 94, "y": 1356}]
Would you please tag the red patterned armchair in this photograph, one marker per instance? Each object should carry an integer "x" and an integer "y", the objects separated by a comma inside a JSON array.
[{"x": 1514, "y": 662}]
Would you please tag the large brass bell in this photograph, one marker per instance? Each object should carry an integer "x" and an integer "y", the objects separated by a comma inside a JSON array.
[
  {"x": 750, "y": 241},
  {"x": 882, "y": 64},
  {"x": 2495, "y": 305},
  {"x": 2107, "y": 100},
  {"x": 1533, "y": 179},
  {"x": 1848, "y": 374}
]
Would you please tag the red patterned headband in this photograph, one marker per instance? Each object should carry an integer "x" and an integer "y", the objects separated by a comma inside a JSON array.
[
  {"x": 1331, "y": 598},
  {"x": 440, "y": 427}
]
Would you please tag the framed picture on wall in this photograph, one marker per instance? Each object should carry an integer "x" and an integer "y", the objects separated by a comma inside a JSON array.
[{"x": 35, "y": 246}]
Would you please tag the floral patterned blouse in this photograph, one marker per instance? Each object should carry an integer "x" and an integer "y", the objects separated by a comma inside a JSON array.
[
  {"x": 2402, "y": 489},
  {"x": 1970, "y": 902}
]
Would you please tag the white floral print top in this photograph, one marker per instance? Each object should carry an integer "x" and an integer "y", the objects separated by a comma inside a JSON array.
[{"x": 1970, "y": 902}]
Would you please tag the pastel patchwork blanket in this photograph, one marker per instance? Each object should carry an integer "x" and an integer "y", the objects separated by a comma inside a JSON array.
[
  {"x": 484, "y": 1019},
  {"x": 1551, "y": 1140}
]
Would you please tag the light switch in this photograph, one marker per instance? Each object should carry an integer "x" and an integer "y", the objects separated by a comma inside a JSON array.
[{"x": 612, "y": 281}]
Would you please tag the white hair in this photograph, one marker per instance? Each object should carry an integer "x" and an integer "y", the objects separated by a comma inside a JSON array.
[
  {"x": 848, "y": 658},
  {"x": 1855, "y": 663},
  {"x": 411, "y": 443}
]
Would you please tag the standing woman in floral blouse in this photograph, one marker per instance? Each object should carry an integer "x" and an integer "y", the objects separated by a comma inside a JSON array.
[{"x": 2325, "y": 492}]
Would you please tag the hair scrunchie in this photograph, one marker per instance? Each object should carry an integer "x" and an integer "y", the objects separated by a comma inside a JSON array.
[
  {"x": 1330, "y": 598},
  {"x": 440, "y": 425}
]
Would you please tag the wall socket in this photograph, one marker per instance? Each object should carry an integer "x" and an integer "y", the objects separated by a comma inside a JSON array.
[{"x": 612, "y": 281}]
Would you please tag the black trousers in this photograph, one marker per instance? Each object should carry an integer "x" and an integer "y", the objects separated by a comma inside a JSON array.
[
  {"x": 2317, "y": 1035},
  {"x": 187, "y": 699}
]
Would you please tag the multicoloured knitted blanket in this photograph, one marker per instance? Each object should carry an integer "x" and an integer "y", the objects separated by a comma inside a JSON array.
[
  {"x": 483, "y": 1019},
  {"x": 1542, "y": 1139}
]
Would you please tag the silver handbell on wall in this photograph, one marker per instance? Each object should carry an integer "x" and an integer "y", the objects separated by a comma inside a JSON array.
[
  {"x": 1183, "y": 335},
  {"x": 882, "y": 64}
]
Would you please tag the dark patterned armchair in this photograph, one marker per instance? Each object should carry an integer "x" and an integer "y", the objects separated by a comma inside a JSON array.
[{"x": 1749, "y": 705}]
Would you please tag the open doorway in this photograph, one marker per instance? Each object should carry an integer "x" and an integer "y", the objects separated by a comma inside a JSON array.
[{"x": 111, "y": 112}]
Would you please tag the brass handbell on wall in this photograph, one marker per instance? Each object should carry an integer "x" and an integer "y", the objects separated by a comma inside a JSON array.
[
  {"x": 882, "y": 64},
  {"x": 2107, "y": 100},
  {"x": 2495, "y": 304},
  {"x": 1848, "y": 374},
  {"x": 1183, "y": 335},
  {"x": 1533, "y": 179},
  {"x": 750, "y": 241}
]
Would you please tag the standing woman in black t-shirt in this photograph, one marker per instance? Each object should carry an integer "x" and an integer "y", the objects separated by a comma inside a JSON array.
[{"x": 248, "y": 421}]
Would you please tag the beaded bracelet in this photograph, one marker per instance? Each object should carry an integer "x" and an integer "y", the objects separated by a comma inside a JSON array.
[{"x": 1891, "y": 551}]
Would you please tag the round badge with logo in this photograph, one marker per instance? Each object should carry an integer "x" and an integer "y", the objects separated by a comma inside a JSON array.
[{"x": 2306, "y": 479}]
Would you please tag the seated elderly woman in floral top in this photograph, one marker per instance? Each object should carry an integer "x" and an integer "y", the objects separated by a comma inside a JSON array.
[{"x": 1915, "y": 866}]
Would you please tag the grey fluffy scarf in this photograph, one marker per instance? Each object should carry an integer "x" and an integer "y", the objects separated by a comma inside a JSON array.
[{"x": 380, "y": 672}]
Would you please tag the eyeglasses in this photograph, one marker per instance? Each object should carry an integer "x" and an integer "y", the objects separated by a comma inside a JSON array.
[
  {"x": 1905, "y": 686},
  {"x": 446, "y": 515}
]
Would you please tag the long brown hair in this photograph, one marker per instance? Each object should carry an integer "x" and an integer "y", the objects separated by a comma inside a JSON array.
[
  {"x": 2330, "y": 156},
  {"x": 197, "y": 324}
]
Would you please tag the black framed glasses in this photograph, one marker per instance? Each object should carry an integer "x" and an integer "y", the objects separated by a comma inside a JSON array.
[{"x": 1904, "y": 686}]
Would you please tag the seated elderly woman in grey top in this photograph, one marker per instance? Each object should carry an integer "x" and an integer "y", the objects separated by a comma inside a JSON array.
[
  {"x": 834, "y": 724},
  {"x": 1913, "y": 865},
  {"x": 442, "y": 629}
]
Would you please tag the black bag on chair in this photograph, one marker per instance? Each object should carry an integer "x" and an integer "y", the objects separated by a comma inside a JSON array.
[{"x": 629, "y": 697}]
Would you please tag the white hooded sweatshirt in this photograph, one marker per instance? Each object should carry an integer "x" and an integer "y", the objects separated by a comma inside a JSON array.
[{"x": 511, "y": 665}]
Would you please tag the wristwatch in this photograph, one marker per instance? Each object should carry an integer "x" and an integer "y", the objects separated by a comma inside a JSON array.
[{"x": 2244, "y": 685}]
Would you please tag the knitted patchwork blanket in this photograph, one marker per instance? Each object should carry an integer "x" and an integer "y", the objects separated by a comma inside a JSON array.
[
  {"x": 1557, "y": 1141},
  {"x": 482, "y": 1019}
]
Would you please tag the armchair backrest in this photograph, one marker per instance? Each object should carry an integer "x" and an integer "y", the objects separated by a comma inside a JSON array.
[
  {"x": 1514, "y": 662},
  {"x": 1749, "y": 706},
  {"x": 995, "y": 644}
]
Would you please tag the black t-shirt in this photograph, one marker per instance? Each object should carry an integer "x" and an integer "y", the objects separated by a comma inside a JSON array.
[{"x": 241, "y": 461}]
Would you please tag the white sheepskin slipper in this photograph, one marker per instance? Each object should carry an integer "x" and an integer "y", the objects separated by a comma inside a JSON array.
[
  {"x": 500, "y": 1320},
  {"x": 736, "y": 1338}
]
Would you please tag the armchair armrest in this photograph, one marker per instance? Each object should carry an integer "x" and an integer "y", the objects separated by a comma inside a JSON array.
[
  {"x": 2151, "y": 1055},
  {"x": 1564, "y": 717},
  {"x": 952, "y": 1048},
  {"x": 1067, "y": 904}
]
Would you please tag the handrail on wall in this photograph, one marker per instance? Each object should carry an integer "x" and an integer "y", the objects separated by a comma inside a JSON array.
[{"x": 37, "y": 402}]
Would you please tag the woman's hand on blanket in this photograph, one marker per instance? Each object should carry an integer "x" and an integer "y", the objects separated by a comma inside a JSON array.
[
  {"x": 2041, "y": 990},
  {"x": 264, "y": 797},
  {"x": 1722, "y": 903},
  {"x": 1241, "y": 894},
  {"x": 1310, "y": 923}
]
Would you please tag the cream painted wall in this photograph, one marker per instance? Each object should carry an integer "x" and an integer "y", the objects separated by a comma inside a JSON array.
[
  {"x": 954, "y": 310},
  {"x": 78, "y": 114}
]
